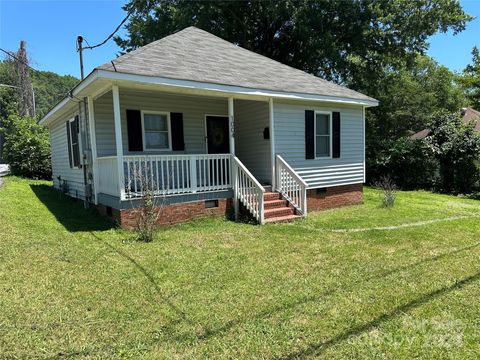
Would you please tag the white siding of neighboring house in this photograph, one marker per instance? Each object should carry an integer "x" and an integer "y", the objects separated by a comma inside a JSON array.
[
  {"x": 318, "y": 173},
  {"x": 60, "y": 162},
  {"x": 193, "y": 108},
  {"x": 251, "y": 118}
]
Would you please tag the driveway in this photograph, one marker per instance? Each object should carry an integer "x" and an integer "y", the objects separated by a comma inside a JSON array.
[{"x": 4, "y": 170}]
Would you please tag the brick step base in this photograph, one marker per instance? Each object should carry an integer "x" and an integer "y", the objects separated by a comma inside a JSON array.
[{"x": 280, "y": 219}]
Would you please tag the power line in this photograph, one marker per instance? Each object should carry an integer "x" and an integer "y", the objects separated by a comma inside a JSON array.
[
  {"x": 113, "y": 33},
  {"x": 16, "y": 58}
]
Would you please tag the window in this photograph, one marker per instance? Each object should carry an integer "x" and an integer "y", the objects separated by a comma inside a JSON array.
[
  {"x": 323, "y": 132},
  {"x": 156, "y": 131},
  {"x": 73, "y": 142}
]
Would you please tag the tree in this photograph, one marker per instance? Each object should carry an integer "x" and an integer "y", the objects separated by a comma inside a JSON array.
[
  {"x": 471, "y": 79},
  {"x": 23, "y": 82},
  {"x": 408, "y": 99},
  {"x": 350, "y": 42},
  {"x": 50, "y": 88},
  {"x": 411, "y": 164},
  {"x": 457, "y": 148},
  {"x": 27, "y": 147}
]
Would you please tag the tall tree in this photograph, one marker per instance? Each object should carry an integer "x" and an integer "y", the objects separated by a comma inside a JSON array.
[
  {"x": 471, "y": 79},
  {"x": 26, "y": 100},
  {"x": 349, "y": 42}
]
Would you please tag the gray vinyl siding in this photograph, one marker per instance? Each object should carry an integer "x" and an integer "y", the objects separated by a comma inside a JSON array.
[
  {"x": 60, "y": 162},
  {"x": 193, "y": 108},
  {"x": 251, "y": 118},
  {"x": 289, "y": 120}
]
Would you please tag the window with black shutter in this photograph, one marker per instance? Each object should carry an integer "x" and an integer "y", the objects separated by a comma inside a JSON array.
[{"x": 73, "y": 142}]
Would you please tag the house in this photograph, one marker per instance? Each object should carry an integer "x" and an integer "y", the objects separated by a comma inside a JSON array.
[
  {"x": 468, "y": 115},
  {"x": 211, "y": 127}
]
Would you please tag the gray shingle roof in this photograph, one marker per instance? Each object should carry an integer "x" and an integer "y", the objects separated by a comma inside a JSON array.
[{"x": 196, "y": 55}]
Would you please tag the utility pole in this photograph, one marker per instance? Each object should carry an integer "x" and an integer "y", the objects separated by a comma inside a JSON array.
[
  {"x": 80, "y": 53},
  {"x": 26, "y": 100}
]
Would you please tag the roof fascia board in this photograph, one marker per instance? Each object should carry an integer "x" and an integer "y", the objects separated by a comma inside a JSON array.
[
  {"x": 220, "y": 89},
  {"x": 229, "y": 89}
]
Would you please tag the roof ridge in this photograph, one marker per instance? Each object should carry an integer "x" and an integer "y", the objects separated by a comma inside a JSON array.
[
  {"x": 142, "y": 48},
  {"x": 260, "y": 55}
]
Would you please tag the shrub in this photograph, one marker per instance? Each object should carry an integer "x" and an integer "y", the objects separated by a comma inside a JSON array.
[
  {"x": 151, "y": 206},
  {"x": 26, "y": 148},
  {"x": 388, "y": 192},
  {"x": 411, "y": 164}
]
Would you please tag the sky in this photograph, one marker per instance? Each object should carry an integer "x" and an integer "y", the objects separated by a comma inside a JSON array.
[{"x": 50, "y": 28}]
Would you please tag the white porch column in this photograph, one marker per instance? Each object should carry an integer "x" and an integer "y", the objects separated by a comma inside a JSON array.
[
  {"x": 231, "y": 125},
  {"x": 233, "y": 172},
  {"x": 272, "y": 144},
  {"x": 118, "y": 141},
  {"x": 93, "y": 146}
]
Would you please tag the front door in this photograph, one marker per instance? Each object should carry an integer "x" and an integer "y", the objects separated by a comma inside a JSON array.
[{"x": 218, "y": 141}]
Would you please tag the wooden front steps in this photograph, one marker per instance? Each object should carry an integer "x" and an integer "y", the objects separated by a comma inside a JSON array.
[{"x": 278, "y": 209}]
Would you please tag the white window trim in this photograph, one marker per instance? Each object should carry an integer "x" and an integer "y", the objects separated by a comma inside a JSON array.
[
  {"x": 167, "y": 114},
  {"x": 330, "y": 114}
]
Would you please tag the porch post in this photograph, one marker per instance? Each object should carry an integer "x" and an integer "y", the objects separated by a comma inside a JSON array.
[
  {"x": 93, "y": 146},
  {"x": 233, "y": 165},
  {"x": 118, "y": 141},
  {"x": 231, "y": 125},
  {"x": 272, "y": 144}
]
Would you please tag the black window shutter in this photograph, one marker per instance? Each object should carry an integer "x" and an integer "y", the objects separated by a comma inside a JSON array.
[
  {"x": 75, "y": 145},
  {"x": 69, "y": 144},
  {"x": 336, "y": 135},
  {"x": 176, "y": 126},
  {"x": 134, "y": 129},
  {"x": 309, "y": 134}
]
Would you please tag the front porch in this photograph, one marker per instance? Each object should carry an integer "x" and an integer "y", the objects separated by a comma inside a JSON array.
[{"x": 176, "y": 145}]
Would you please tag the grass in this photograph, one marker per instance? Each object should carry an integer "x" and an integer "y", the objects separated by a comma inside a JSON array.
[{"x": 72, "y": 285}]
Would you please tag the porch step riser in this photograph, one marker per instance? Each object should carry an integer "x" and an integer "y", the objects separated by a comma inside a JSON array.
[
  {"x": 272, "y": 213},
  {"x": 274, "y": 204},
  {"x": 269, "y": 196},
  {"x": 283, "y": 219}
]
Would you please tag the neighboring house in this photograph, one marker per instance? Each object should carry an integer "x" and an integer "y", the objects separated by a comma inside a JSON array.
[
  {"x": 468, "y": 115},
  {"x": 212, "y": 126}
]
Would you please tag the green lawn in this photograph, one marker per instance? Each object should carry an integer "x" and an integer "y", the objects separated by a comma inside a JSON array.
[{"x": 71, "y": 285}]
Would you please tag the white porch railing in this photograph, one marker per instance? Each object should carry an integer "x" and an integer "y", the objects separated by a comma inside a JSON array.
[
  {"x": 248, "y": 190},
  {"x": 176, "y": 174},
  {"x": 107, "y": 175},
  {"x": 291, "y": 185}
]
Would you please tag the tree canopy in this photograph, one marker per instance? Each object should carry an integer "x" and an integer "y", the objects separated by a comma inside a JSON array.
[
  {"x": 350, "y": 42},
  {"x": 471, "y": 79}
]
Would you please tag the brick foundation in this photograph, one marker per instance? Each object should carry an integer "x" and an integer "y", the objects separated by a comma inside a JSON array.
[
  {"x": 171, "y": 214},
  {"x": 334, "y": 197}
]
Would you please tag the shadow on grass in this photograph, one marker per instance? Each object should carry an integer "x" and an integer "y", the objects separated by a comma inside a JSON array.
[
  {"x": 318, "y": 348},
  {"x": 317, "y": 297},
  {"x": 69, "y": 212},
  {"x": 149, "y": 278}
]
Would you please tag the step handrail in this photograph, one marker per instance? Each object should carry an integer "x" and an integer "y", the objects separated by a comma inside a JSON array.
[
  {"x": 248, "y": 190},
  {"x": 291, "y": 185}
]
